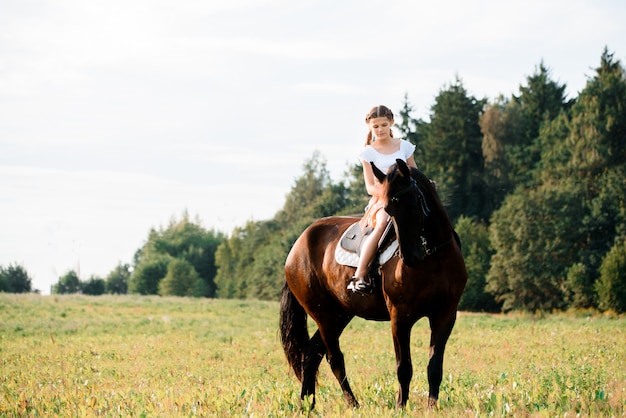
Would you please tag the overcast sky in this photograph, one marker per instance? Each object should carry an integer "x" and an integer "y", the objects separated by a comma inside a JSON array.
[{"x": 116, "y": 116}]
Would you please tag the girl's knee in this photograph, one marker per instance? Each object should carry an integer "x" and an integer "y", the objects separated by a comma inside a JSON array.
[{"x": 378, "y": 231}]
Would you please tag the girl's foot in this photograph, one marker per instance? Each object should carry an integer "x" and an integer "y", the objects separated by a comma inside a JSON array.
[{"x": 359, "y": 284}]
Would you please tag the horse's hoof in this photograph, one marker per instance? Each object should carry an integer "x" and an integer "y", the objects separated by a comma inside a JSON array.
[
  {"x": 432, "y": 403},
  {"x": 353, "y": 403}
]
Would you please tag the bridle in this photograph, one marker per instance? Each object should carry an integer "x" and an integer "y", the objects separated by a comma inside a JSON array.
[
  {"x": 413, "y": 187},
  {"x": 420, "y": 195}
]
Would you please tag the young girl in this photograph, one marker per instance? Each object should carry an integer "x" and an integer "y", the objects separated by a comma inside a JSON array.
[{"x": 381, "y": 149}]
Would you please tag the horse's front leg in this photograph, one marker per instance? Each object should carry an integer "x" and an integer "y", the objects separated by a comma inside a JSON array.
[
  {"x": 401, "y": 333},
  {"x": 441, "y": 328}
]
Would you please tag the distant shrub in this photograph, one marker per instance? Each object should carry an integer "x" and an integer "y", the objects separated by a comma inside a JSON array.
[{"x": 611, "y": 286}]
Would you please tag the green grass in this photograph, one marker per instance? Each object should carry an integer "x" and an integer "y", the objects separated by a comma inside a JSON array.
[{"x": 150, "y": 356}]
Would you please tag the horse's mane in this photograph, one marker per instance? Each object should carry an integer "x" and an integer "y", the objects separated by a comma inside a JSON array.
[
  {"x": 428, "y": 188},
  {"x": 424, "y": 183}
]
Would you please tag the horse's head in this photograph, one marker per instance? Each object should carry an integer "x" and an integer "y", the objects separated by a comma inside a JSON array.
[{"x": 406, "y": 203}]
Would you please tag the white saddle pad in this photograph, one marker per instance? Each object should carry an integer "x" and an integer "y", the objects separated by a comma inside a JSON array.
[{"x": 351, "y": 259}]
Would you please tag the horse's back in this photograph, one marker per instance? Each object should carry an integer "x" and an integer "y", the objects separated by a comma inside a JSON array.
[
  {"x": 312, "y": 247},
  {"x": 323, "y": 232}
]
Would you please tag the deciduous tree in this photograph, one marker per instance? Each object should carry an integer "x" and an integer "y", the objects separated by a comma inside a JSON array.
[
  {"x": 117, "y": 280},
  {"x": 181, "y": 279},
  {"x": 15, "y": 279},
  {"x": 611, "y": 286},
  {"x": 477, "y": 253},
  {"x": 68, "y": 283},
  {"x": 94, "y": 286},
  {"x": 184, "y": 240}
]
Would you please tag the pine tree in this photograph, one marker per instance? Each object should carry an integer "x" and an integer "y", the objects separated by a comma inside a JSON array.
[{"x": 453, "y": 152}]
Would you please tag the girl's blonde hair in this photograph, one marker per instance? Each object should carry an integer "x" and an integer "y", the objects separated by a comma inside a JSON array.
[{"x": 379, "y": 111}]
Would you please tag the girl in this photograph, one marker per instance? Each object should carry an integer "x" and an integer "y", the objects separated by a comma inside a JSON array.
[{"x": 382, "y": 150}]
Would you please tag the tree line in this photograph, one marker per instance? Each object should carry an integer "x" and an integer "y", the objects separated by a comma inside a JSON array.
[{"x": 534, "y": 184}]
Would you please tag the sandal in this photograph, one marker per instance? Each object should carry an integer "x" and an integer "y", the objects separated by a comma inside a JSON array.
[{"x": 359, "y": 284}]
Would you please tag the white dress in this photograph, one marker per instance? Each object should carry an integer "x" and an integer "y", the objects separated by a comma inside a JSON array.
[{"x": 382, "y": 162}]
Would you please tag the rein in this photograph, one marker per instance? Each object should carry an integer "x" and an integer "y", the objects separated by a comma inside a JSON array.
[{"x": 428, "y": 251}]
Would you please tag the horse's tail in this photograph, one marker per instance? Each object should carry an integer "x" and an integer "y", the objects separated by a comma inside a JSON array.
[{"x": 293, "y": 330}]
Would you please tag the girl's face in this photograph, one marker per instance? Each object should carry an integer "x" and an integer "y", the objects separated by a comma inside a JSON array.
[{"x": 380, "y": 127}]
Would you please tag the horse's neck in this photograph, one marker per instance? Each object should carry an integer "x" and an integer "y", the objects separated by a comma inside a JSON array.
[{"x": 438, "y": 227}]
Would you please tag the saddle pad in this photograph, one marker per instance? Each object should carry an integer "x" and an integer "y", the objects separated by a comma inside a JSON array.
[{"x": 351, "y": 259}]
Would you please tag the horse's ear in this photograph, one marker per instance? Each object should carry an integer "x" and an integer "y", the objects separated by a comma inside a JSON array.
[
  {"x": 379, "y": 174},
  {"x": 404, "y": 168}
]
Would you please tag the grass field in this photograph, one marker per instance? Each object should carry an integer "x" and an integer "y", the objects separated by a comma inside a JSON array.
[{"x": 150, "y": 356}]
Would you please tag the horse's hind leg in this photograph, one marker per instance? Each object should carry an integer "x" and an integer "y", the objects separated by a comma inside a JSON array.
[
  {"x": 313, "y": 357},
  {"x": 311, "y": 363},
  {"x": 330, "y": 332},
  {"x": 440, "y": 327}
]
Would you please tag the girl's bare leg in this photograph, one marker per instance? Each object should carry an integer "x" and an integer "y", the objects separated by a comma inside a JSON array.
[{"x": 360, "y": 280}]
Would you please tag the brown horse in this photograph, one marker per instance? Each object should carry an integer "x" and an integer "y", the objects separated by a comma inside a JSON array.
[{"x": 426, "y": 279}]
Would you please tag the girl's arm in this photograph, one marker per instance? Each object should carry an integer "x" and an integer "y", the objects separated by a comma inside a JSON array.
[{"x": 372, "y": 185}]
